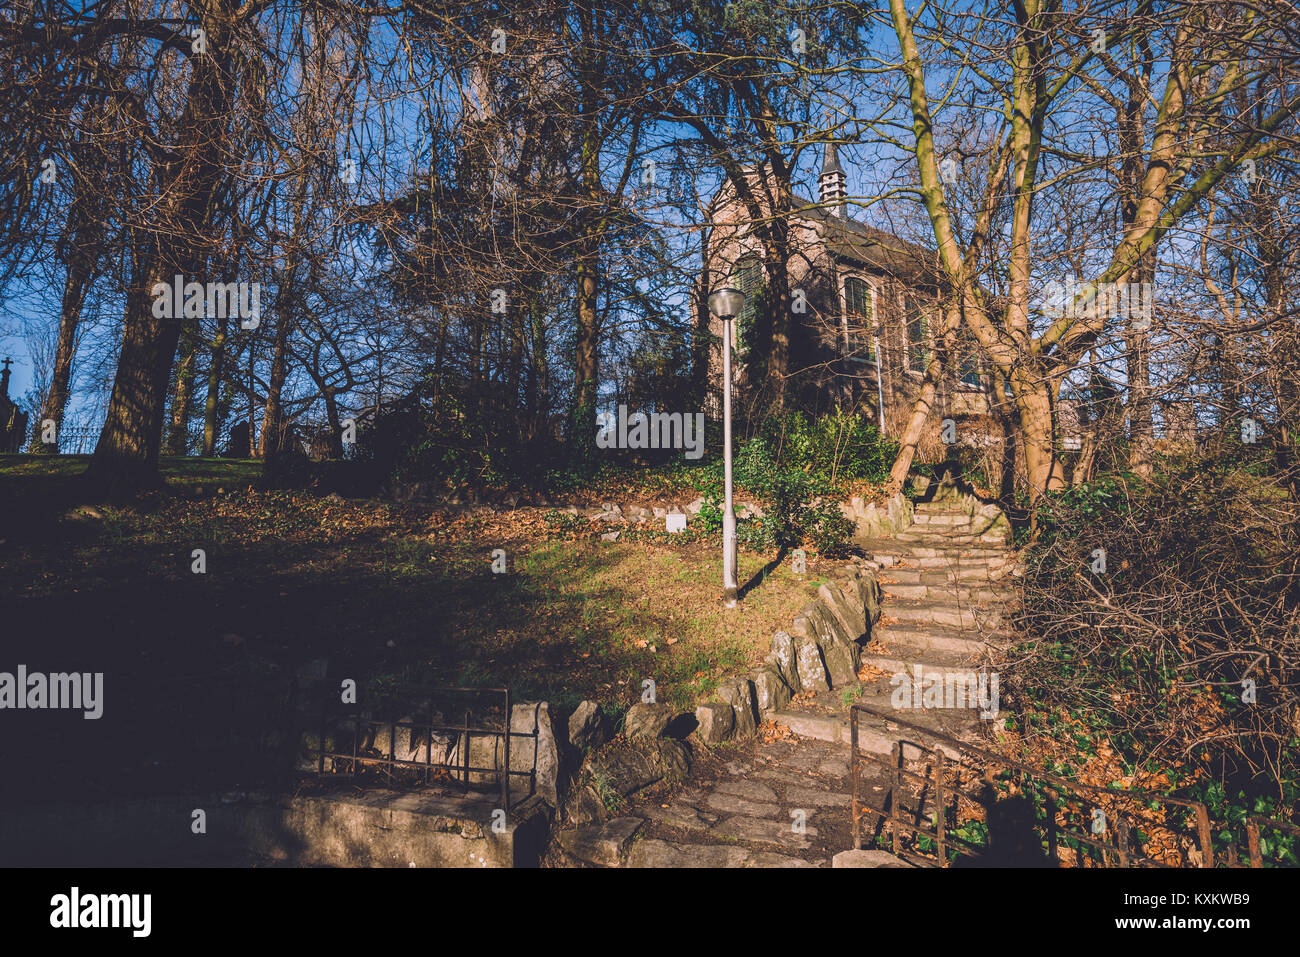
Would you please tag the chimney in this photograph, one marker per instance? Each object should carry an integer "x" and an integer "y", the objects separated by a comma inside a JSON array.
[{"x": 832, "y": 184}]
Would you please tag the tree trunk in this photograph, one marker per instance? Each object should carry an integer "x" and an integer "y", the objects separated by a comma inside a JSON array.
[
  {"x": 924, "y": 404},
  {"x": 56, "y": 400},
  {"x": 1034, "y": 399},
  {"x": 273, "y": 425},
  {"x": 210, "y": 423},
  {"x": 183, "y": 394},
  {"x": 126, "y": 456}
]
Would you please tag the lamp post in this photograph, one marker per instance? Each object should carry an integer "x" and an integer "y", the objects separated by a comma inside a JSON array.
[{"x": 726, "y": 303}]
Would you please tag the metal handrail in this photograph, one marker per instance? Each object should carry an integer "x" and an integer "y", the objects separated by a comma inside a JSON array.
[
  {"x": 939, "y": 833},
  {"x": 389, "y": 763},
  {"x": 1253, "y": 824}
]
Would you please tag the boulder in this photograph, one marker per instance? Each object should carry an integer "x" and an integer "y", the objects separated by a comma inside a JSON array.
[
  {"x": 783, "y": 657},
  {"x": 588, "y": 726},
  {"x": 647, "y": 720},
  {"x": 770, "y": 690},
  {"x": 621, "y": 769},
  {"x": 851, "y": 614},
  {"x": 534, "y": 747},
  {"x": 812, "y": 672},
  {"x": 601, "y": 845},
  {"x": 715, "y": 722},
  {"x": 694, "y": 507},
  {"x": 739, "y": 693}
]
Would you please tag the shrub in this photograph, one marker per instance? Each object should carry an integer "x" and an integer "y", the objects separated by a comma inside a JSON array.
[{"x": 1200, "y": 591}]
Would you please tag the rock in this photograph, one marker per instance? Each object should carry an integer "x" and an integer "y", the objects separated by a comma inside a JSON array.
[
  {"x": 334, "y": 497},
  {"x": 647, "y": 720},
  {"x": 603, "y": 845},
  {"x": 610, "y": 536},
  {"x": 636, "y": 511},
  {"x": 812, "y": 671},
  {"x": 610, "y": 508},
  {"x": 682, "y": 816},
  {"x": 783, "y": 656},
  {"x": 539, "y": 753},
  {"x": 867, "y": 859},
  {"x": 806, "y": 797},
  {"x": 753, "y": 790},
  {"x": 735, "y": 804},
  {"x": 675, "y": 523},
  {"x": 588, "y": 726},
  {"x": 660, "y": 512},
  {"x": 770, "y": 690},
  {"x": 716, "y": 722},
  {"x": 851, "y": 613},
  {"x": 765, "y": 831},
  {"x": 534, "y": 747},
  {"x": 660, "y": 854},
  {"x": 694, "y": 507},
  {"x": 621, "y": 769},
  {"x": 739, "y": 693}
]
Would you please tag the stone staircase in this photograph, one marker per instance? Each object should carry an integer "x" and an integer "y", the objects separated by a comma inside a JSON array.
[{"x": 783, "y": 799}]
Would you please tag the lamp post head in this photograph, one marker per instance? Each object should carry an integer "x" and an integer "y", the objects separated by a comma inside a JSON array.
[{"x": 726, "y": 302}]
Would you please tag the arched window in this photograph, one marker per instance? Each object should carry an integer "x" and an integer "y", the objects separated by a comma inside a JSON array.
[{"x": 859, "y": 320}]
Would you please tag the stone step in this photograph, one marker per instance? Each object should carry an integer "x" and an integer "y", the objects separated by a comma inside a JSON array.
[
  {"x": 942, "y": 519},
  {"x": 948, "y": 593},
  {"x": 910, "y": 638},
  {"x": 938, "y": 613},
  {"x": 938, "y": 661},
  {"x": 904, "y": 575},
  {"x": 971, "y": 552},
  {"x": 877, "y": 735},
  {"x": 662, "y": 854}
]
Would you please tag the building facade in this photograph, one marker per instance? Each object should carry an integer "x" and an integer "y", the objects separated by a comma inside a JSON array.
[{"x": 864, "y": 303}]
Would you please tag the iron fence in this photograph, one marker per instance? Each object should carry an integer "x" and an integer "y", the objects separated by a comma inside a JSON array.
[
  {"x": 374, "y": 744},
  {"x": 1133, "y": 828}
]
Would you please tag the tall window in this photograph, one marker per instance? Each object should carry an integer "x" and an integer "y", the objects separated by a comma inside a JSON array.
[
  {"x": 968, "y": 370},
  {"x": 747, "y": 276},
  {"x": 859, "y": 319},
  {"x": 918, "y": 337}
]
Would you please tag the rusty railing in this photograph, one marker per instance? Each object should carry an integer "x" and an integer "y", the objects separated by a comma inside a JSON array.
[
  {"x": 447, "y": 771},
  {"x": 942, "y": 782}
]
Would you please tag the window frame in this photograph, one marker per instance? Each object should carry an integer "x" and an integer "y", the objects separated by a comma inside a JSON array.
[
  {"x": 866, "y": 330},
  {"x": 909, "y": 345},
  {"x": 741, "y": 266}
]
